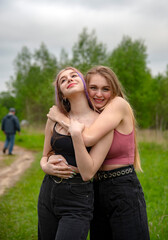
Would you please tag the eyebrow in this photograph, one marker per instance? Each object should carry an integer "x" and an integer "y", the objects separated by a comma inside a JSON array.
[
  {"x": 65, "y": 76},
  {"x": 96, "y": 85}
]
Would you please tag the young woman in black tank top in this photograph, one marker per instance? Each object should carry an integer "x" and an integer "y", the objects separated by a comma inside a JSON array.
[
  {"x": 119, "y": 208},
  {"x": 65, "y": 206}
]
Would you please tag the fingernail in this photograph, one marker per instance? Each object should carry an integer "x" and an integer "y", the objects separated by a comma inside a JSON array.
[{"x": 69, "y": 168}]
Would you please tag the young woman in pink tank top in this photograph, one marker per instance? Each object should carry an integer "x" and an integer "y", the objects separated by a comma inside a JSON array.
[{"x": 119, "y": 208}]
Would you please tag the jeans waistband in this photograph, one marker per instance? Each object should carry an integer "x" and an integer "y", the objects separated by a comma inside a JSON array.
[
  {"x": 75, "y": 179},
  {"x": 104, "y": 175}
]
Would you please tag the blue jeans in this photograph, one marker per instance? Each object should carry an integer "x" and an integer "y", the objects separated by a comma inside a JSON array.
[
  {"x": 119, "y": 210},
  {"x": 10, "y": 141},
  {"x": 64, "y": 210}
]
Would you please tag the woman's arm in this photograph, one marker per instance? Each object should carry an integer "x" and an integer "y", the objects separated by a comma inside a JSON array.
[
  {"x": 108, "y": 120},
  {"x": 47, "y": 147},
  {"x": 53, "y": 165},
  {"x": 56, "y": 165},
  {"x": 88, "y": 163}
]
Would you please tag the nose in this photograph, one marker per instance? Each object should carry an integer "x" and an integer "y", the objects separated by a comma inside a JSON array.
[
  {"x": 98, "y": 93},
  {"x": 70, "y": 79}
]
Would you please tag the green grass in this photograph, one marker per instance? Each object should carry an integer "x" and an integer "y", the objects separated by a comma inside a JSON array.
[
  {"x": 18, "y": 207},
  {"x": 154, "y": 181},
  {"x": 29, "y": 139}
]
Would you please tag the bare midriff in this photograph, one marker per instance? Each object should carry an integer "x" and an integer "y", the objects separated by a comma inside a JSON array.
[{"x": 111, "y": 167}]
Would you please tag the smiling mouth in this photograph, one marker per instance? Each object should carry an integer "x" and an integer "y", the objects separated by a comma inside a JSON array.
[
  {"x": 98, "y": 100},
  {"x": 71, "y": 85}
]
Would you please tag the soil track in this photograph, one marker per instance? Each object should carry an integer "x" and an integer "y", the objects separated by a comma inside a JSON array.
[{"x": 11, "y": 174}]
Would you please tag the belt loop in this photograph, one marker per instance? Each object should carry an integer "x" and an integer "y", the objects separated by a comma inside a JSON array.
[
  {"x": 58, "y": 182},
  {"x": 77, "y": 179}
]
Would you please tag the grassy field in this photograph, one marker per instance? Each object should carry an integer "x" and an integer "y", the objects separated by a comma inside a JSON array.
[
  {"x": 18, "y": 207},
  {"x": 154, "y": 181}
]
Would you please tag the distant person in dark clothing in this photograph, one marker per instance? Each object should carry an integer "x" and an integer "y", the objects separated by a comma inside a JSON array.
[{"x": 10, "y": 124}]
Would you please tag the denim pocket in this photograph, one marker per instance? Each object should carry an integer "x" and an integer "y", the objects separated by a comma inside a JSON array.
[
  {"x": 81, "y": 190},
  {"x": 123, "y": 181}
]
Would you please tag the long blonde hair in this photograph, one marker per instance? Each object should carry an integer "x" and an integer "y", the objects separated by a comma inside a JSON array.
[{"x": 117, "y": 90}]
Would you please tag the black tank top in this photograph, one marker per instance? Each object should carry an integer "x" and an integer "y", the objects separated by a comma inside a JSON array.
[{"x": 63, "y": 145}]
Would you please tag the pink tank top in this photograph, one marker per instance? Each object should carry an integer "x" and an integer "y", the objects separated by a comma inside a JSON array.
[{"x": 121, "y": 150}]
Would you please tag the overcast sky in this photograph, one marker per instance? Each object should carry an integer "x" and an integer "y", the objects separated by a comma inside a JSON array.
[{"x": 58, "y": 24}]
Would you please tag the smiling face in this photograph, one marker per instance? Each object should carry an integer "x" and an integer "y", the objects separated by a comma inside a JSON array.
[
  {"x": 69, "y": 82},
  {"x": 100, "y": 90}
]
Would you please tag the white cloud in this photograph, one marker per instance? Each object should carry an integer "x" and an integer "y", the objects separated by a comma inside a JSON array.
[{"x": 58, "y": 24}]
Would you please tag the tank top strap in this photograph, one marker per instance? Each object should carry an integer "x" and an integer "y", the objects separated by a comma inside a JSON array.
[{"x": 54, "y": 127}]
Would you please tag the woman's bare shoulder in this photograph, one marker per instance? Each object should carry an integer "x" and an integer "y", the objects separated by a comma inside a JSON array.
[{"x": 117, "y": 103}]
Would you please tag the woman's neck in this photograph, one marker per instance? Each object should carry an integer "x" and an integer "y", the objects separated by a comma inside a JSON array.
[{"x": 79, "y": 106}]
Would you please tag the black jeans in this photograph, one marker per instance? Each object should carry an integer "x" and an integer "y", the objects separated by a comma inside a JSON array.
[
  {"x": 64, "y": 210},
  {"x": 119, "y": 210}
]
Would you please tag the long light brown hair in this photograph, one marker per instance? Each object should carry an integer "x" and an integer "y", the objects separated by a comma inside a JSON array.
[{"x": 116, "y": 90}]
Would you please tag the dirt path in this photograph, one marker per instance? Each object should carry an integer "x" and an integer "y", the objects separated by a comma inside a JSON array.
[{"x": 10, "y": 175}]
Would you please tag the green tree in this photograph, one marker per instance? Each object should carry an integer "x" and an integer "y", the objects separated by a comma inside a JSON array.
[
  {"x": 129, "y": 61},
  {"x": 6, "y": 101},
  {"x": 161, "y": 106},
  {"x": 31, "y": 89},
  {"x": 64, "y": 59},
  {"x": 32, "y": 84},
  {"x": 46, "y": 64},
  {"x": 22, "y": 64},
  {"x": 87, "y": 52}
]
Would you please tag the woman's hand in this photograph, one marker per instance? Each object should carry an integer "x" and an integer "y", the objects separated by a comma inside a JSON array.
[
  {"x": 57, "y": 166},
  {"x": 56, "y": 116},
  {"x": 74, "y": 128},
  {"x": 53, "y": 113}
]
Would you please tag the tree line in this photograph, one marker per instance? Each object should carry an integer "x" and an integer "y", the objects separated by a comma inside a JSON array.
[{"x": 31, "y": 90}]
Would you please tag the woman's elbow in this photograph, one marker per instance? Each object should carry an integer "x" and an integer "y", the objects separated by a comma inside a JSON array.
[
  {"x": 88, "y": 140},
  {"x": 87, "y": 176}
]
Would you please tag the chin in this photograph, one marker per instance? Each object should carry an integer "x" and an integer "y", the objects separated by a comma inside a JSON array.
[{"x": 99, "y": 106}]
